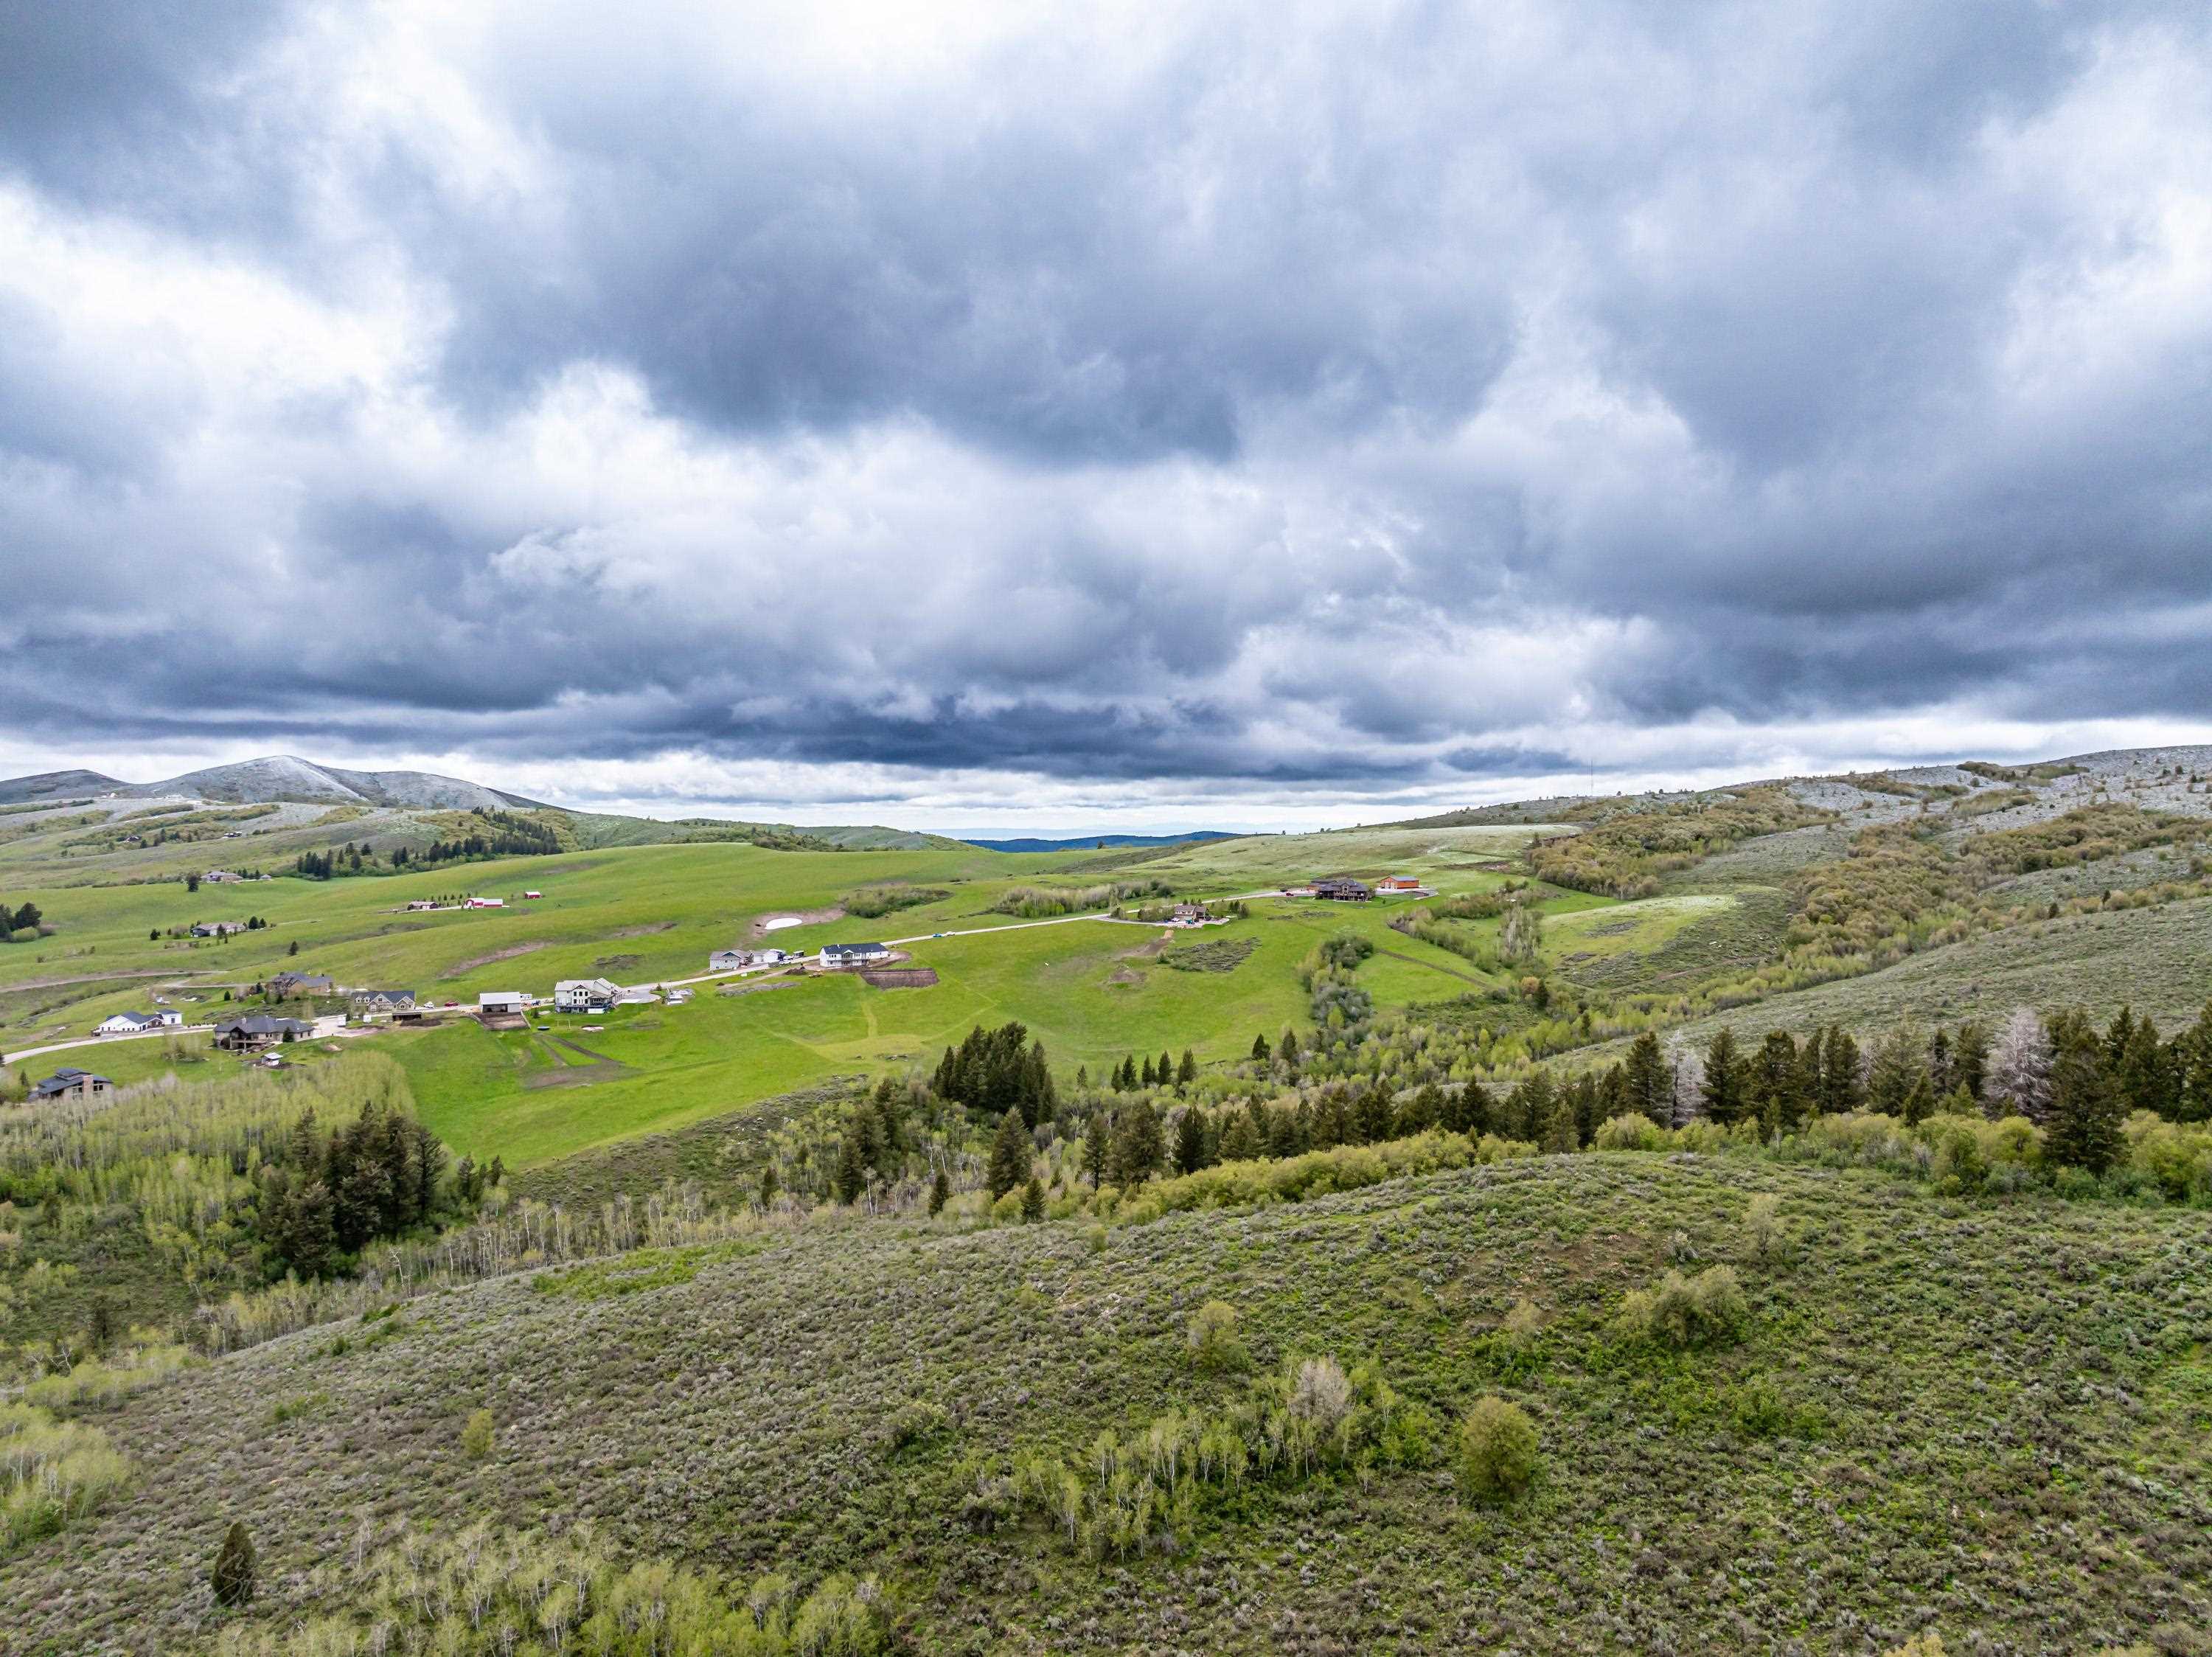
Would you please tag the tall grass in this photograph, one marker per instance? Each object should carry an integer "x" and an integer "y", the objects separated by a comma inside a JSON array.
[{"x": 52, "y": 1473}]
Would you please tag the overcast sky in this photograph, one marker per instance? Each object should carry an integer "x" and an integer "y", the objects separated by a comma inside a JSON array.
[{"x": 1199, "y": 415}]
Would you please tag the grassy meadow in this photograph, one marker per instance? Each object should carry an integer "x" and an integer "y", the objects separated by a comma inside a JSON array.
[{"x": 1093, "y": 991}]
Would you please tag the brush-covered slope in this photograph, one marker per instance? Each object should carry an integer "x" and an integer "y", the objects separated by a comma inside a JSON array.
[
  {"x": 1987, "y": 1419},
  {"x": 56, "y": 785}
]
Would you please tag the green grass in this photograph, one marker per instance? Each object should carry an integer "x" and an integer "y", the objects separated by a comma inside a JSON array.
[{"x": 1984, "y": 1417}]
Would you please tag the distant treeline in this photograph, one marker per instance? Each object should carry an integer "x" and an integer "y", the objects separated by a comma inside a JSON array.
[{"x": 493, "y": 834}]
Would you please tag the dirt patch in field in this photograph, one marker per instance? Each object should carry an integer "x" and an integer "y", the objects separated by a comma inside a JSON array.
[
  {"x": 1125, "y": 975},
  {"x": 1151, "y": 950},
  {"x": 756, "y": 989},
  {"x": 759, "y": 928},
  {"x": 643, "y": 931},
  {"x": 462, "y": 969},
  {"x": 616, "y": 963},
  {"x": 900, "y": 977}
]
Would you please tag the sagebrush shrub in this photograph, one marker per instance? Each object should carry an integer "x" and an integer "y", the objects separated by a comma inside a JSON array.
[
  {"x": 1763, "y": 1240},
  {"x": 1524, "y": 1322},
  {"x": 1706, "y": 1309},
  {"x": 919, "y": 1421},
  {"x": 1211, "y": 1335},
  {"x": 1498, "y": 1449}
]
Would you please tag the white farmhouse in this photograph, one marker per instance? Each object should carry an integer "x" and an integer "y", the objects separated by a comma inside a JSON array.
[
  {"x": 585, "y": 994},
  {"x": 853, "y": 955}
]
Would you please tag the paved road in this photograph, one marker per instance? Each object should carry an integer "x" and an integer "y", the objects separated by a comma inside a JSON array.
[{"x": 103, "y": 1041}]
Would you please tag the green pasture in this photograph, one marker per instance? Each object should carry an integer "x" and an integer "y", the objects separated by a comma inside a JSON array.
[
  {"x": 1092, "y": 991},
  {"x": 1629, "y": 929}
]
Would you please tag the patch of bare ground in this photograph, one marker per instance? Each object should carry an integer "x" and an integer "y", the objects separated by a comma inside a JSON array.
[
  {"x": 643, "y": 931},
  {"x": 462, "y": 969},
  {"x": 1123, "y": 975},
  {"x": 755, "y": 989},
  {"x": 900, "y": 977},
  {"x": 759, "y": 928}
]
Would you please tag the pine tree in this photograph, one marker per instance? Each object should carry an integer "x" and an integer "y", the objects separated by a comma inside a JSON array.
[
  {"x": 1190, "y": 1142},
  {"x": 1187, "y": 1071},
  {"x": 1373, "y": 1117},
  {"x": 1901, "y": 1058},
  {"x": 1010, "y": 1156},
  {"x": 1939, "y": 1080},
  {"x": 1033, "y": 1201},
  {"x": 1166, "y": 1070},
  {"x": 940, "y": 1193},
  {"x": 1726, "y": 1092},
  {"x": 1420, "y": 1112},
  {"x": 1776, "y": 1086},
  {"x": 769, "y": 1186},
  {"x": 851, "y": 1178},
  {"x": 1557, "y": 1133},
  {"x": 1287, "y": 1048},
  {"x": 1841, "y": 1089},
  {"x": 1260, "y": 1049},
  {"x": 1139, "y": 1148},
  {"x": 2086, "y": 1111},
  {"x": 1097, "y": 1148},
  {"x": 236, "y": 1567},
  {"x": 2148, "y": 1073},
  {"x": 1650, "y": 1082},
  {"x": 1588, "y": 1102},
  {"x": 2193, "y": 1062},
  {"x": 1148, "y": 1077},
  {"x": 1919, "y": 1101},
  {"x": 1240, "y": 1142}
]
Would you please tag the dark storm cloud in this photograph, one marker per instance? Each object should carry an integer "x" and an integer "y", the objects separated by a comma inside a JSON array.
[{"x": 1310, "y": 397}]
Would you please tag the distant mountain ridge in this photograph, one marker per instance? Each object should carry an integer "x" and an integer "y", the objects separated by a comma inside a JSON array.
[
  {"x": 277, "y": 777},
  {"x": 1089, "y": 842},
  {"x": 288, "y": 778},
  {"x": 56, "y": 785}
]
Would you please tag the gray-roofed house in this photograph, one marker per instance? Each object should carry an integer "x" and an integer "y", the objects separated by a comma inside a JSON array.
[
  {"x": 70, "y": 1082},
  {"x": 255, "y": 1031}
]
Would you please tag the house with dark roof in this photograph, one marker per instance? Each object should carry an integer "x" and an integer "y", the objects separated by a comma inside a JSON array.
[
  {"x": 853, "y": 954},
  {"x": 70, "y": 1082},
  {"x": 258, "y": 1030},
  {"x": 1343, "y": 891},
  {"x": 300, "y": 983}
]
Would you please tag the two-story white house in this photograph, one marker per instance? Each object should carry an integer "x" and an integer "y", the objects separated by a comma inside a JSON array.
[{"x": 585, "y": 994}]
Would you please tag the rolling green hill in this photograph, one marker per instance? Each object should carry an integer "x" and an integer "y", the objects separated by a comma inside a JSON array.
[{"x": 1984, "y": 1422}]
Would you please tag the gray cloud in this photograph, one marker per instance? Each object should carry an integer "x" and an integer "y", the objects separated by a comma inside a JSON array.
[{"x": 1335, "y": 397}]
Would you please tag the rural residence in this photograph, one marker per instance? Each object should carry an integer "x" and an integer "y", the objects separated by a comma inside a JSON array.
[
  {"x": 255, "y": 1031},
  {"x": 585, "y": 994},
  {"x": 69, "y": 1083}
]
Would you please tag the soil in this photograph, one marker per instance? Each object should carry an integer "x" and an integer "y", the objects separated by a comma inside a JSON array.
[{"x": 461, "y": 969}]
